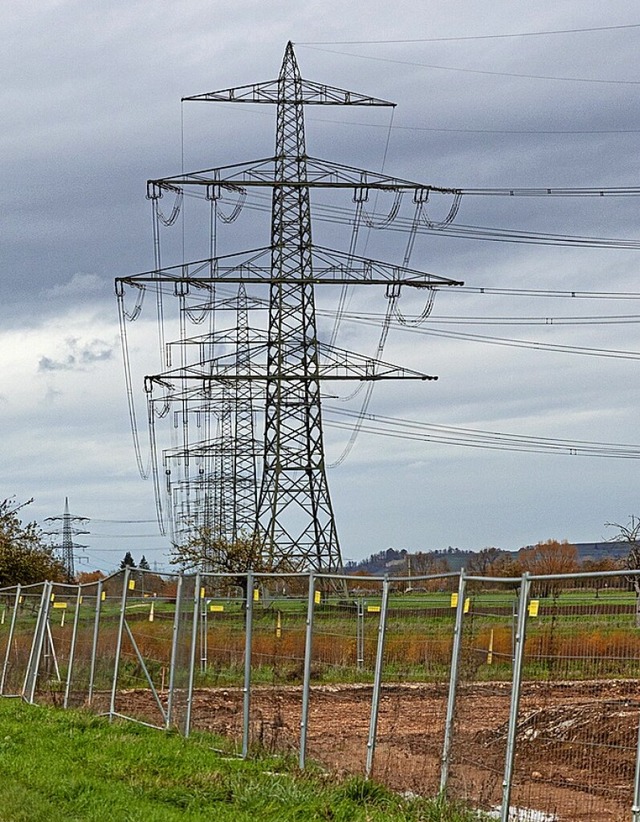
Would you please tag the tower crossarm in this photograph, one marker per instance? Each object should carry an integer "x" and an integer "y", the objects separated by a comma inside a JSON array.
[
  {"x": 320, "y": 174},
  {"x": 329, "y": 266},
  {"x": 305, "y": 92},
  {"x": 336, "y": 364}
]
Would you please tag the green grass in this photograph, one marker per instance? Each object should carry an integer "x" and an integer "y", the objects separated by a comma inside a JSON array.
[{"x": 74, "y": 766}]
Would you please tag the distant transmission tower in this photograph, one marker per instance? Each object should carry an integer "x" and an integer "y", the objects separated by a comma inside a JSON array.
[
  {"x": 68, "y": 531},
  {"x": 295, "y": 516},
  {"x": 211, "y": 474}
]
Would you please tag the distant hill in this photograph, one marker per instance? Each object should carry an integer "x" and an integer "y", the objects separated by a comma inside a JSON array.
[
  {"x": 392, "y": 561},
  {"x": 599, "y": 550}
]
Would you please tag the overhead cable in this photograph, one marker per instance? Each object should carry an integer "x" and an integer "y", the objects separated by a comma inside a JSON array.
[{"x": 543, "y": 33}]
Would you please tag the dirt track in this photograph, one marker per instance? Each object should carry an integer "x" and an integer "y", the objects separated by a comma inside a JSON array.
[{"x": 575, "y": 750}]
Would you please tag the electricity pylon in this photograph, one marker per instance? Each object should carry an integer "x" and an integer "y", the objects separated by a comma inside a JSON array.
[
  {"x": 295, "y": 516},
  {"x": 68, "y": 531},
  {"x": 212, "y": 478}
]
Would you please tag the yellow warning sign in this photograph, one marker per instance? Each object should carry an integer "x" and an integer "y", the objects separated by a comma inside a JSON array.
[
  {"x": 216, "y": 608},
  {"x": 454, "y": 600},
  {"x": 132, "y": 584},
  {"x": 103, "y": 596},
  {"x": 373, "y": 609},
  {"x": 59, "y": 604},
  {"x": 201, "y": 593},
  {"x": 256, "y": 595},
  {"x": 534, "y": 606},
  {"x": 317, "y": 597},
  {"x": 467, "y": 605}
]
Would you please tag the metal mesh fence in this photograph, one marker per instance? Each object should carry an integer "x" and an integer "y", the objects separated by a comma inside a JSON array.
[
  {"x": 483, "y": 689},
  {"x": 414, "y": 675},
  {"x": 20, "y": 608},
  {"x": 508, "y": 693},
  {"x": 577, "y": 724}
]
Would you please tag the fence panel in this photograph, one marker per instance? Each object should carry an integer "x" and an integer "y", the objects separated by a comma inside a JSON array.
[
  {"x": 416, "y": 663},
  {"x": 138, "y": 623},
  {"x": 577, "y": 725},
  {"x": 20, "y": 607},
  {"x": 18, "y": 632},
  {"x": 346, "y": 618},
  {"x": 220, "y": 657},
  {"x": 483, "y": 691}
]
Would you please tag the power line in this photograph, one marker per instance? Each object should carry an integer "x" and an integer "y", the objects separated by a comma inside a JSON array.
[
  {"x": 504, "y": 341},
  {"x": 449, "y": 129},
  {"x": 537, "y": 292},
  {"x": 460, "y": 319},
  {"x": 470, "y": 37},
  {"x": 344, "y": 216},
  {"x": 399, "y": 428},
  {"x": 489, "y": 72}
]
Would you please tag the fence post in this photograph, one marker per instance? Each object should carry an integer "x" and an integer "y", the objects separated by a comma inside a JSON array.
[
  {"x": 518, "y": 657},
  {"x": 204, "y": 638},
  {"x": 94, "y": 642},
  {"x": 72, "y": 649},
  {"x": 453, "y": 684},
  {"x": 377, "y": 679},
  {"x": 246, "y": 689},
  {"x": 116, "y": 667},
  {"x": 173, "y": 660},
  {"x": 12, "y": 628},
  {"x": 192, "y": 654},
  {"x": 360, "y": 634},
  {"x": 306, "y": 681},
  {"x": 635, "y": 808}
]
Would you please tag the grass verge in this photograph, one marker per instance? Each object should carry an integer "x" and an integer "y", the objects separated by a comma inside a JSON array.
[{"x": 72, "y": 765}]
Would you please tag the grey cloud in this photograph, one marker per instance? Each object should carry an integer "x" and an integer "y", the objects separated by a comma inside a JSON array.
[{"x": 80, "y": 355}]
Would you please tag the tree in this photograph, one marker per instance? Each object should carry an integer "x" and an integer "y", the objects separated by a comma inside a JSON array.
[
  {"x": 483, "y": 563},
  {"x": 209, "y": 551},
  {"x": 426, "y": 564},
  {"x": 143, "y": 565},
  {"x": 600, "y": 566},
  {"x": 127, "y": 561},
  {"x": 630, "y": 533},
  {"x": 24, "y": 557},
  {"x": 87, "y": 577},
  {"x": 550, "y": 557}
]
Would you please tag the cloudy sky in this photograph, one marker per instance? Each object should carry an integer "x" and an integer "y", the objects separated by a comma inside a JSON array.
[{"x": 91, "y": 109}]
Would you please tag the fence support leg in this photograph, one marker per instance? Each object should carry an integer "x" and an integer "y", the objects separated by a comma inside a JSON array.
[
  {"x": 246, "y": 689},
  {"x": 306, "y": 681},
  {"x": 31, "y": 678},
  {"x": 453, "y": 685},
  {"x": 377, "y": 679},
  {"x": 116, "y": 667},
  {"x": 94, "y": 643},
  {"x": 518, "y": 657},
  {"x": 192, "y": 653},
  {"x": 72, "y": 649},
  {"x": 12, "y": 628}
]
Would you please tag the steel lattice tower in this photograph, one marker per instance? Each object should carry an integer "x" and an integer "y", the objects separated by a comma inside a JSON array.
[
  {"x": 68, "y": 532},
  {"x": 295, "y": 517},
  {"x": 294, "y": 506},
  {"x": 212, "y": 482}
]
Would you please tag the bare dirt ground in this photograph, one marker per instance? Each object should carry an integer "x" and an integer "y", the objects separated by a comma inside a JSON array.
[{"x": 575, "y": 753}]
